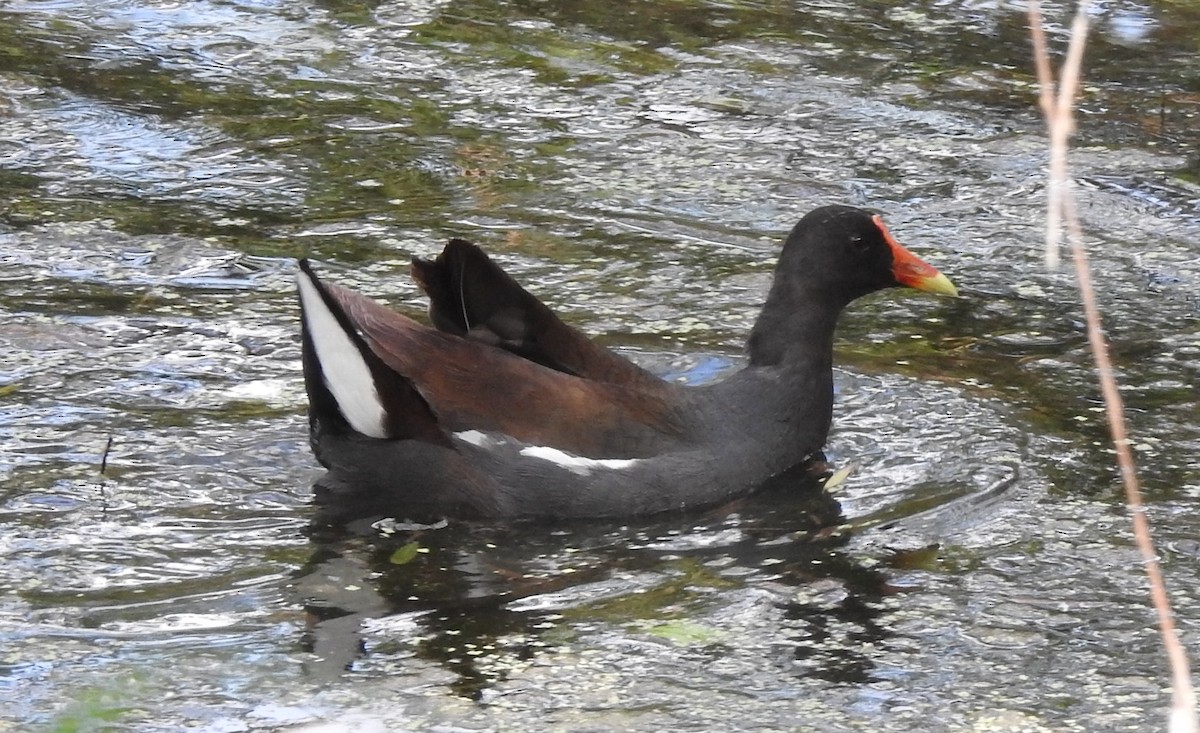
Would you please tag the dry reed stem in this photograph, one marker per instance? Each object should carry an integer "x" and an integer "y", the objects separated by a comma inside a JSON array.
[{"x": 1059, "y": 112}]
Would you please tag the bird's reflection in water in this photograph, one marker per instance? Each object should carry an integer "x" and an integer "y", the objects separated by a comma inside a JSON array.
[{"x": 478, "y": 597}]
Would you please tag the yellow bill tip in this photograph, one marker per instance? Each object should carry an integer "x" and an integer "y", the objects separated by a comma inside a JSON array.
[{"x": 938, "y": 283}]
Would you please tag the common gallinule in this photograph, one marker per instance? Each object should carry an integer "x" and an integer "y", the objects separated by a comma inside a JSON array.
[{"x": 505, "y": 411}]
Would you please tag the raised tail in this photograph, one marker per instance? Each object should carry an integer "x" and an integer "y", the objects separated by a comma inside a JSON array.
[{"x": 349, "y": 387}]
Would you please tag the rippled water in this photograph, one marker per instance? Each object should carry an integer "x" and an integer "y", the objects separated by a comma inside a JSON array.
[{"x": 163, "y": 163}]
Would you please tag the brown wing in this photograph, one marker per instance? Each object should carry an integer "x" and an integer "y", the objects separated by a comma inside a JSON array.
[
  {"x": 469, "y": 295},
  {"x": 474, "y": 386}
]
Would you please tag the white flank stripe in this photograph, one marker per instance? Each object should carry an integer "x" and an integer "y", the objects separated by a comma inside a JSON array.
[
  {"x": 346, "y": 373},
  {"x": 479, "y": 438},
  {"x": 575, "y": 464}
]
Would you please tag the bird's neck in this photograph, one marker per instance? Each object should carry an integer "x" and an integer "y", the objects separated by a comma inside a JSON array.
[
  {"x": 789, "y": 380},
  {"x": 795, "y": 330}
]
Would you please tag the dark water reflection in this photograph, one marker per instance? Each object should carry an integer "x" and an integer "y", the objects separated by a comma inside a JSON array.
[
  {"x": 476, "y": 595},
  {"x": 635, "y": 163}
]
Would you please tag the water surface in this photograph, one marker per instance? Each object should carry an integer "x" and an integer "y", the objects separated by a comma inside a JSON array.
[{"x": 636, "y": 164}]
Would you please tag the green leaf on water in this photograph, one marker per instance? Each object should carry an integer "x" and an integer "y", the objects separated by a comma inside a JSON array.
[
  {"x": 685, "y": 633},
  {"x": 406, "y": 554},
  {"x": 98, "y": 709}
]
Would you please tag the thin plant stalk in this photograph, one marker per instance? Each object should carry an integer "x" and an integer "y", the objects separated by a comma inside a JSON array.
[{"x": 1058, "y": 109}]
